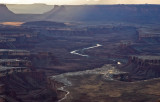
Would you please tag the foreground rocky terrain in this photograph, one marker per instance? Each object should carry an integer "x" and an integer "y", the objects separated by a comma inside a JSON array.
[
  {"x": 95, "y": 89},
  {"x": 98, "y": 86},
  {"x": 26, "y": 87}
]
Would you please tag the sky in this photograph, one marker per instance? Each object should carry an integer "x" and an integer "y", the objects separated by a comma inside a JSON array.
[{"x": 77, "y": 2}]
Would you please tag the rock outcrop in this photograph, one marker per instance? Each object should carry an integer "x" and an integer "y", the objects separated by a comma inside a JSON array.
[
  {"x": 143, "y": 67},
  {"x": 26, "y": 87},
  {"x": 6, "y": 14}
]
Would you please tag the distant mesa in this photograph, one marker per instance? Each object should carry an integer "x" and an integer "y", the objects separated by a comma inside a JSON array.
[
  {"x": 107, "y": 13},
  {"x": 5, "y": 10},
  {"x": 6, "y": 14}
]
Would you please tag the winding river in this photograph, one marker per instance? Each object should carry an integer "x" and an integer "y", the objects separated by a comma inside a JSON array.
[
  {"x": 67, "y": 93},
  {"x": 64, "y": 80},
  {"x": 106, "y": 70},
  {"x": 76, "y": 52}
]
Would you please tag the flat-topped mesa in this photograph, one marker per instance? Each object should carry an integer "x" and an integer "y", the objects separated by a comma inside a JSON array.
[
  {"x": 90, "y": 13},
  {"x": 143, "y": 67},
  {"x": 6, "y": 14},
  {"x": 146, "y": 60},
  {"x": 105, "y": 13},
  {"x": 4, "y": 10}
]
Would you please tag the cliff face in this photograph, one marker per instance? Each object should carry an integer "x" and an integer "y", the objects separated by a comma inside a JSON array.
[
  {"x": 5, "y": 10},
  {"x": 6, "y": 14},
  {"x": 27, "y": 87},
  {"x": 143, "y": 67},
  {"x": 123, "y": 13}
]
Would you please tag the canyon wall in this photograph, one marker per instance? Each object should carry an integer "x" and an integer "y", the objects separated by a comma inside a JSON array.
[
  {"x": 26, "y": 87},
  {"x": 143, "y": 67}
]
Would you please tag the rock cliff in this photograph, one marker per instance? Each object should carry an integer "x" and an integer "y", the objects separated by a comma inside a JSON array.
[{"x": 26, "y": 87}]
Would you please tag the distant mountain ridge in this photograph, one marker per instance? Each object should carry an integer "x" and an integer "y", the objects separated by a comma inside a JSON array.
[{"x": 91, "y": 13}]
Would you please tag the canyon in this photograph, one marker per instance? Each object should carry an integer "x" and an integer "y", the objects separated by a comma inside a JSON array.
[{"x": 69, "y": 57}]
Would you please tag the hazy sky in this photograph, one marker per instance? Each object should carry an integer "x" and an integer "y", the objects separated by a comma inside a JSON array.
[{"x": 60, "y": 2}]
